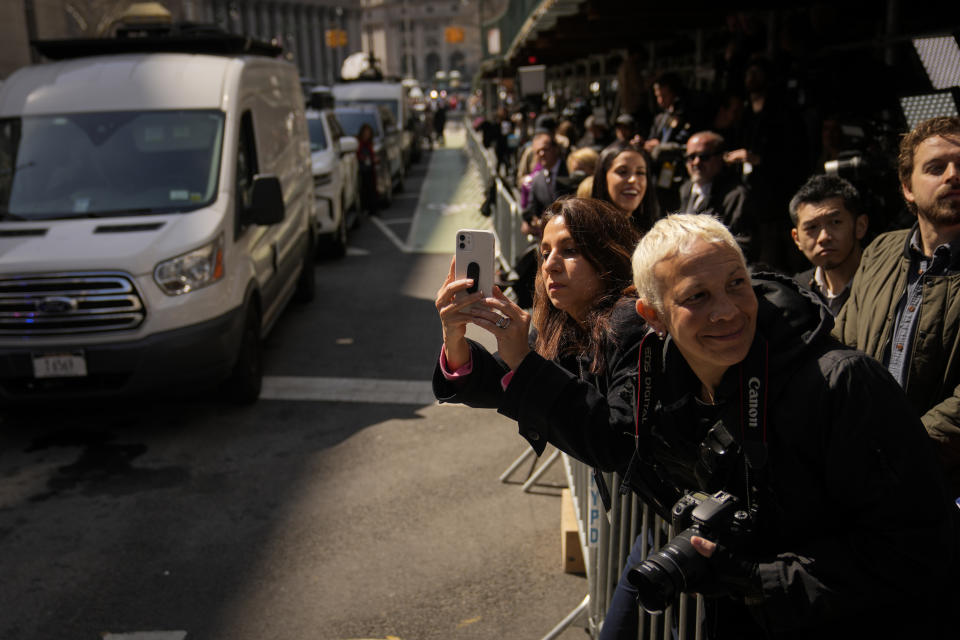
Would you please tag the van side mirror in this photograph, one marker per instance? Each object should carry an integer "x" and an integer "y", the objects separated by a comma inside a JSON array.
[
  {"x": 348, "y": 144},
  {"x": 266, "y": 201}
]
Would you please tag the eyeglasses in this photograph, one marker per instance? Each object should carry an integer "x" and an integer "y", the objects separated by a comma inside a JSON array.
[{"x": 703, "y": 157}]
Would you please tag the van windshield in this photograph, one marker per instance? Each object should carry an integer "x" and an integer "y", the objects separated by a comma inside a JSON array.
[
  {"x": 351, "y": 121},
  {"x": 394, "y": 105},
  {"x": 108, "y": 163}
]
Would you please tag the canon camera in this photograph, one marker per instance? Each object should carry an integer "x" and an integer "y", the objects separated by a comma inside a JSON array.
[{"x": 678, "y": 567}]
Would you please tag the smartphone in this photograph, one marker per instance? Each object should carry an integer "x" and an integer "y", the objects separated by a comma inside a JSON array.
[{"x": 475, "y": 259}]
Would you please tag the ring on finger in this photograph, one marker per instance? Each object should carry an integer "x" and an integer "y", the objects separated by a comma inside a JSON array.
[{"x": 503, "y": 322}]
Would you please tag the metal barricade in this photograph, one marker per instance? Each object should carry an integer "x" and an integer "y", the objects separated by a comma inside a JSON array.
[
  {"x": 606, "y": 540},
  {"x": 511, "y": 240}
]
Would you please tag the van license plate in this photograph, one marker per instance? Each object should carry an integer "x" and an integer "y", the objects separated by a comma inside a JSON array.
[{"x": 59, "y": 365}]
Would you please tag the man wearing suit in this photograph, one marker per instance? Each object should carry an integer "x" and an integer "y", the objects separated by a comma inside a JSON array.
[
  {"x": 546, "y": 186},
  {"x": 711, "y": 189}
]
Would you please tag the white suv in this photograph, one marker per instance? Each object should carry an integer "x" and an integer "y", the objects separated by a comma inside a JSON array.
[{"x": 335, "y": 180}]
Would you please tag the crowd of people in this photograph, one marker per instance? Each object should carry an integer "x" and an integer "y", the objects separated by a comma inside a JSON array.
[{"x": 670, "y": 338}]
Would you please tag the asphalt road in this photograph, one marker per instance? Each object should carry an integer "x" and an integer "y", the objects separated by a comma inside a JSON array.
[{"x": 344, "y": 505}]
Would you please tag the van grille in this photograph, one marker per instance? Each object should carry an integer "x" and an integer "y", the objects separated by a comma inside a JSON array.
[{"x": 61, "y": 303}]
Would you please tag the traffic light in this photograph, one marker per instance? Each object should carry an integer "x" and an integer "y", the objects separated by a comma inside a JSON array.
[
  {"x": 336, "y": 37},
  {"x": 453, "y": 34}
]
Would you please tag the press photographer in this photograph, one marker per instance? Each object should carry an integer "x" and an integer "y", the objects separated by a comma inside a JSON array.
[{"x": 813, "y": 505}]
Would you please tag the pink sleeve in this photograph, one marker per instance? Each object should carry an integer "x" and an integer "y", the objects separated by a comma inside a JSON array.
[
  {"x": 463, "y": 371},
  {"x": 505, "y": 380}
]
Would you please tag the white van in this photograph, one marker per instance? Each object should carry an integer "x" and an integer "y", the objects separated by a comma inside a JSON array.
[
  {"x": 392, "y": 95},
  {"x": 155, "y": 218}
]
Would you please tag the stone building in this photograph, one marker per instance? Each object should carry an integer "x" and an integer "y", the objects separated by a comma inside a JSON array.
[{"x": 410, "y": 38}]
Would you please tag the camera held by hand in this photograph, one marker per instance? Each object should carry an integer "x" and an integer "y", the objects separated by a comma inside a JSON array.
[{"x": 678, "y": 567}]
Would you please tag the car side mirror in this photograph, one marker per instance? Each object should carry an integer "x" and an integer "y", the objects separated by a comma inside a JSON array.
[
  {"x": 266, "y": 201},
  {"x": 348, "y": 144}
]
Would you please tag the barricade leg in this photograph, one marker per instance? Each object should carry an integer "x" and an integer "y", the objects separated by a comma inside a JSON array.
[
  {"x": 516, "y": 463},
  {"x": 570, "y": 619},
  {"x": 543, "y": 468}
]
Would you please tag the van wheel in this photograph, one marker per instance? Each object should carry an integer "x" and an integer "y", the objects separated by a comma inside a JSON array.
[
  {"x": 244, "y": 384},
  {"x": 306, "y": 283}
]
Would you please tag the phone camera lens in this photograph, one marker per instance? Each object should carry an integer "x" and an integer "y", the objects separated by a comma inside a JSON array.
[
  {"x": 462, "y": 237},
  {"x": 463, "y": 246}
]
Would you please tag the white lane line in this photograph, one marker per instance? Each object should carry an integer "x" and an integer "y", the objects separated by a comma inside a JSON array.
[
  {"x": 387, "y": 231},
  {"x": 146, "y": 635},
  {"x": 368, "y": 390}
]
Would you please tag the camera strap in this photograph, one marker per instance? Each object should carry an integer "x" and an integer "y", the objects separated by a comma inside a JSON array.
[
  {"x": 643, "y": 473},
  {"x": 754, "y": 381},
  {"x": 754, "y": 377}
]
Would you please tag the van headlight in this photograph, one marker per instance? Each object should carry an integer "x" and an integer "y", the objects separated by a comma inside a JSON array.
[{"x": 191, "y": 271}]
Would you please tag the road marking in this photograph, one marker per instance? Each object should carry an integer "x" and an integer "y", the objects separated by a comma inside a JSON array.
[
  {"x": 387, "y": 231},
  {"x": 468, "y": 622},
  {"x": 357, "y": 251},
  {"x": 367, "y": 390},
  {"x": 146, "y": 635}
]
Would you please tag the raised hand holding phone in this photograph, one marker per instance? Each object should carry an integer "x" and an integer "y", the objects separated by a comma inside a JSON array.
[{"x": 475, "y": 259}]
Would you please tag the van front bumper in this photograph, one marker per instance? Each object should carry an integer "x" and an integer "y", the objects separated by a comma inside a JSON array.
[{"x": 180, "y": 361}]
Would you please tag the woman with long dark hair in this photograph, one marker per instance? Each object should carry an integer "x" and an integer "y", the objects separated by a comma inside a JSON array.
[
  {"x": 577, "y": 381},
  {"x": 624, "y": 178}
]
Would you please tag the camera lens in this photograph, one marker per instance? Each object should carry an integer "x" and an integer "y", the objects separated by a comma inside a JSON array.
[
  {"x": 462, "y": 237},
  {"x": 663, "y": 575},
  {"x": 463, "y": 246}
]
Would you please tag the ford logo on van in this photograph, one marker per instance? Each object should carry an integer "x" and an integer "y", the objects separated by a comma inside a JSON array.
[{"x": 55, "y": 304}]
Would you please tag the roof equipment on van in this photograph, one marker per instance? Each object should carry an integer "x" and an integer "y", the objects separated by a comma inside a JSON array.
[{"x": 139, "y": 37}]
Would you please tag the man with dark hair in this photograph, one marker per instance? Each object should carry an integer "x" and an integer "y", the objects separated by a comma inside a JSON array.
[
  {"x": 828, "y": 225},
  {"x": 904, "y": 305},
  {"x": 713, "y": 189}
]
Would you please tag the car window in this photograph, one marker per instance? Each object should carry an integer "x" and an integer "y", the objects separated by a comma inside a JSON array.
[
  {"x": 318, "y": 137},
  {"x": 335, "y": 130}
]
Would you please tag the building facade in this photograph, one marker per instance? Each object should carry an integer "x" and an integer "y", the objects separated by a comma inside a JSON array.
[
  {"x": 423, "y": 38},
  {"x": 300, "y": 26}
]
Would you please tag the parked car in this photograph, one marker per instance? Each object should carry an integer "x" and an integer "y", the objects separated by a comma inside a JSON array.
[
  {"x": 386, "y": 144},
  {"x": 335, "y": 181},
  {"x": 151, "y": 230}
]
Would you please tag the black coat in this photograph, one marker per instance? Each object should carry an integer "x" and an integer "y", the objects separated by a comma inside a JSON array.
[
  {"x": 560, "y": 401},
  {"x": 857, "y": 535},
  {"x": 808, "y": 281}
]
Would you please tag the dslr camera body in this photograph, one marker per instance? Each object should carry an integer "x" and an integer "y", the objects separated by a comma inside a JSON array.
[{"x": 677, "y": 566}]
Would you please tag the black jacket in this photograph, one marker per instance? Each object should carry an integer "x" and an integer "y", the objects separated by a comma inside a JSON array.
[
  {"x": 807, "y": 280},
  {"x": 856, "y": 535},
  {"x": 588, "y": 416}
]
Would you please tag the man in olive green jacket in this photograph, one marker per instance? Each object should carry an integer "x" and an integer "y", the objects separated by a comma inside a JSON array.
[{"x": 904, "y": 305}]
